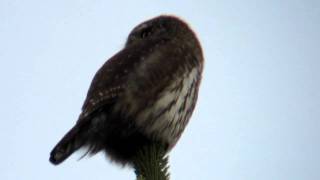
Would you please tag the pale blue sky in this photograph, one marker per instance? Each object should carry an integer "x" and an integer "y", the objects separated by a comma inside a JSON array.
[{"x": 258, "y": 115}]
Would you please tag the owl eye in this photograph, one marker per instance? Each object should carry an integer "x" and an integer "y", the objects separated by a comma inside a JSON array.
[{"x": 146, "y": 32}]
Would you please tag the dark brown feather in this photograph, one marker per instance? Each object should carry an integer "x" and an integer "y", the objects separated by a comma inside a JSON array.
[{"x": 145, "y": 94}]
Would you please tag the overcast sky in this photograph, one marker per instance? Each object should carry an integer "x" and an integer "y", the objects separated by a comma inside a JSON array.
[{"x": 258, "y": 115}]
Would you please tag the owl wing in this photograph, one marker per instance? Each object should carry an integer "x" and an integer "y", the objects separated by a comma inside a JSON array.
[
  {"x": 107, "y": 84},
  {"x": 111, "y": 80}
]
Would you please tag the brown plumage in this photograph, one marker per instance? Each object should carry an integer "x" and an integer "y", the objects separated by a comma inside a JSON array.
[{"x": 144, "y": 94}]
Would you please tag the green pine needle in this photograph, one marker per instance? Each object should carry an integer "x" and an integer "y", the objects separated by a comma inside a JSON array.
[{"x": 151, "y": 163}]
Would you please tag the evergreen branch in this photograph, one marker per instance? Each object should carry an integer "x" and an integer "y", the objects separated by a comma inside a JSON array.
[{"x": 151, "y": 163}]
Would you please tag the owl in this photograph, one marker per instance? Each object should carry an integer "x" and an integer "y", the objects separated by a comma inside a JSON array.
[{"x": 144, "y": 94}]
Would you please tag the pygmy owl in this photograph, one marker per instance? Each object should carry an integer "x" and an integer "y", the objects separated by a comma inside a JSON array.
[{"x": 144, "y": 94}]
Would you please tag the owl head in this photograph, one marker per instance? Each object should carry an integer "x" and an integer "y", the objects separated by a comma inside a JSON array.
[{"x": 160, "y": 28}]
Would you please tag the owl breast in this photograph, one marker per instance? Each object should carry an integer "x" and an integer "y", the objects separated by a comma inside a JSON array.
[{"x": 168, "y": 116}]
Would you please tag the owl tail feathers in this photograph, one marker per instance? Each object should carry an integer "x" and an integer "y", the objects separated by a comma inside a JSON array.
[{"x": 71, "y": 142}]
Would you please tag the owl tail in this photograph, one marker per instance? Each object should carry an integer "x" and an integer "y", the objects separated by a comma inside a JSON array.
[{"x": 71, "y": 142}]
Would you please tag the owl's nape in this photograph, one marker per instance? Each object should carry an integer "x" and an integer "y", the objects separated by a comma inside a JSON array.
[{"x": 143, "y": 95}]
